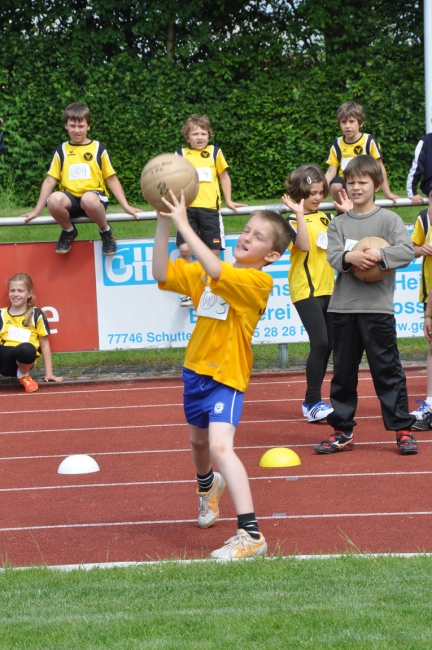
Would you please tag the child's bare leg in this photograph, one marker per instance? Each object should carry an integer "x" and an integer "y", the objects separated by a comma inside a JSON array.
[
  {"x": 94, "y": 209},
  {"x": 199, "y": 439},
  {"x": 24, "y": 368},
  {"x": 59, "y": 205},
  {"x": 221, "y": 440},
  {"x": 335, "y": 188}
]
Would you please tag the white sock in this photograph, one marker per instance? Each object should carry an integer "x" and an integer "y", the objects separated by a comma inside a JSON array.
[
  {"x": 106, "y": 229},
  {"x": 70, "y": 229},
  {"x": 21, "y": 374}
]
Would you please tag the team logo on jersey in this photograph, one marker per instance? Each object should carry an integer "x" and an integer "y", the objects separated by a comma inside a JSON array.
[
  {"x": 205, "y": 154},
  {"x": 325, "y": 221},
  {"x": 218, "y": 407},
  {"x": 358, "y": 150},
  {"x": 88, "y": 156}
]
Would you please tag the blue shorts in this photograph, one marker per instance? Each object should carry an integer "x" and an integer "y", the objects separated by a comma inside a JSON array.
[{"x": 206, "y": 400}]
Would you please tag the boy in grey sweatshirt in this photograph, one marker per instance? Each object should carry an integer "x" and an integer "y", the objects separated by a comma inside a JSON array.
[{"x": 363, "y": 313}]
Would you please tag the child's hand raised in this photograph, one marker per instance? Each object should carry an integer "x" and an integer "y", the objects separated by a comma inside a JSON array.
[
  {"x": 297, "y": 208},
  {"x": 177, "y": 210},
  {"x": 345, "y": 203}
]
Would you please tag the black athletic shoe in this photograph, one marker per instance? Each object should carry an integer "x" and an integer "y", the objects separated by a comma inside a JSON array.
[
  {"x": 406, "y": 443},
  {"x": 338, "y": 441},
  {"x": 65, "y": 240},
  {"x": 425, "y": 424},
  {"x": 109, "y": 244}
]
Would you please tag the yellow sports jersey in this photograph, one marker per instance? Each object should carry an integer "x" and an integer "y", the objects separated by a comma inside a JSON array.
[
  {"x": 222, "y": 348},
  {"x": 81, "y": 167},
  {"x": 422, "y": 234},
  {"x": 13, "y": 331},
  {"x": 209, "y": 163},
  {"x": 310, "y": 274},
  {"x": 342, "y": 152}
]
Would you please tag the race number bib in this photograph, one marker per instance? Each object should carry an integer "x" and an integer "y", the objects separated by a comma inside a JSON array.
[
  {"x": 212, "y": 306},
  {"x": 322, "y": 240},
  {"x": 18, "y": 334},
  {"x": 79, "y": 172},
  {"x": 204, "y": 174},
  {"x": 349, "y": 244}
]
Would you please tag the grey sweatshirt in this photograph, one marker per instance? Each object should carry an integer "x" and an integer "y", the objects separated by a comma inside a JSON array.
[{"x": 351, "y": 294}]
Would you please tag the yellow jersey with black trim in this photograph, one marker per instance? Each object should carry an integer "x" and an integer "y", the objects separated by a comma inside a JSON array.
[
  {"x": 422, "y": 234},
  {"x": 81, "y": 167},
  {"x": 310, "y": 274},
  {"x": 13, "y": 331},
  {"x": 209, "y": 163},
  {"x": 222, "y": 348},
  {"x": 341, "y": 152}
]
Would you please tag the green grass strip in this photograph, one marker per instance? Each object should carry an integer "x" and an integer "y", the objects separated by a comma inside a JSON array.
[{"x": 351, "y": 602}]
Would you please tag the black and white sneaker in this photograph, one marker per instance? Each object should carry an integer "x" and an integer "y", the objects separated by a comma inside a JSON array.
[
  {"x": 316, "y": 412},
  {"x": 109, "y": 244},
  {"x": 425, "y": 424},
  {"x": 65, "y": 241}
]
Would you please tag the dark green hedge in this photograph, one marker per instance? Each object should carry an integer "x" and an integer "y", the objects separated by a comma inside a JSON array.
[{"x": 276, "y": 118}]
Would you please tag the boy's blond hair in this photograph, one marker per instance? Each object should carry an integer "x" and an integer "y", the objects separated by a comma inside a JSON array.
[
  {"x": 77, "y": 111},
  {"x": 364, "y": 165},
  {"x": 196, "y": 120},
  {"x": 351, "y": 109},
  {"x": 300, "y": 180},
  {"x": 281, "y": 229}
]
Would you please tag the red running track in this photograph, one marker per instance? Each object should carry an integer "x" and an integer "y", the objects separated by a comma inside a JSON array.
[{"x": 141, "y": 505}]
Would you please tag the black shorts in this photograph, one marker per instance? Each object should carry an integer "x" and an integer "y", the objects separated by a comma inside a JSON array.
[
  {"x": 76, "y": 209},
  {"x": 338, "y": 179},
  {"x": 9, "y": 355},
  {"x": 208, "y": 225}
]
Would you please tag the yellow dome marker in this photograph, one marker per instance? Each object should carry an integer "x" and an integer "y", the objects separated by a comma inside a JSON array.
[{"x": 279, "y": 457}]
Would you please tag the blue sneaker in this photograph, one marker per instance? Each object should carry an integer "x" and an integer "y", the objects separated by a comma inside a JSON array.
[
  {"x": 317, "y": 412},
  {"x": 421, "y": 411}
]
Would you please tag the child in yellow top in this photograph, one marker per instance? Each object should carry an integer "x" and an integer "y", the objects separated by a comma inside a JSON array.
[
  {"x": 204, "y": 212},
  {"x": 311, "y": 278},
  {"x": 351, "y": 116},
  {"x": 81, "y": 166},
  {"x": 24, "y": 334},
  {"x": 230, "y": 300}
]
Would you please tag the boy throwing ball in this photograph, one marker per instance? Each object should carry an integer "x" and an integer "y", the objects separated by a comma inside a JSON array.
[{"x": 229, "y": 299}]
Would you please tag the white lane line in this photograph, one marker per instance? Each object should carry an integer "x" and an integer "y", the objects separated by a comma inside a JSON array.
[
  {"x": 180, "y": 451},
  {"x": 157, "y": 426},
  {"x": 158, "y": 405},
  {"x": 254, "y": 382},
  {"x": 251, "y": 478},
  {"x": 163, "y": 522}
]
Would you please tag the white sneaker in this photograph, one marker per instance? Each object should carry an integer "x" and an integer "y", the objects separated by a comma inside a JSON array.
[
  {"x": 241, "y": 546},
  {"x": 318, "y": 411},
  {"x": 186, "y": 301},
  {"x": 421, "y": 411},
  {"x": 208, "y": 502}
]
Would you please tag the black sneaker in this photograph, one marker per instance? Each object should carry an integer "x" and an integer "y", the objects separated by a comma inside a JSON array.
[
  {"x": 109, "y": 244},
  {"x": 65, "y": 240},
  {"x": 406, "y": 443},
  {"x": 338, "y": 441},
  {"x": 425, "y": 424}
]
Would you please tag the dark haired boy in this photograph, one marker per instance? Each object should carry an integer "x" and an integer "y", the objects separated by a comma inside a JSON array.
[
  {"x": 82, "y": 166},
  {"x": 363, "y": 313},
  {"x": 351, "y": 116}
]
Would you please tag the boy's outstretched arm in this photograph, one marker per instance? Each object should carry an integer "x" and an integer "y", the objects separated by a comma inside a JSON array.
[
  {"x": 225, "y": 181},
  {"x": 47, "y": 187},
  {"x": 177, "y": 213},
  {"x": 116, "y": 188},
  {"x": 385, "y": 185},
  {"x": 160, "y": 249}
]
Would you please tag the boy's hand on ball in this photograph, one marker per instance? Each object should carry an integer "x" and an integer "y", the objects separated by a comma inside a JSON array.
[
  {"x": 363, "y": 259},
  {"x": 177, "y": 209}
]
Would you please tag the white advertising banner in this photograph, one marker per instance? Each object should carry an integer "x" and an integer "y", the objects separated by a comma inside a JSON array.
[{"x": 134, "y": 313}]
